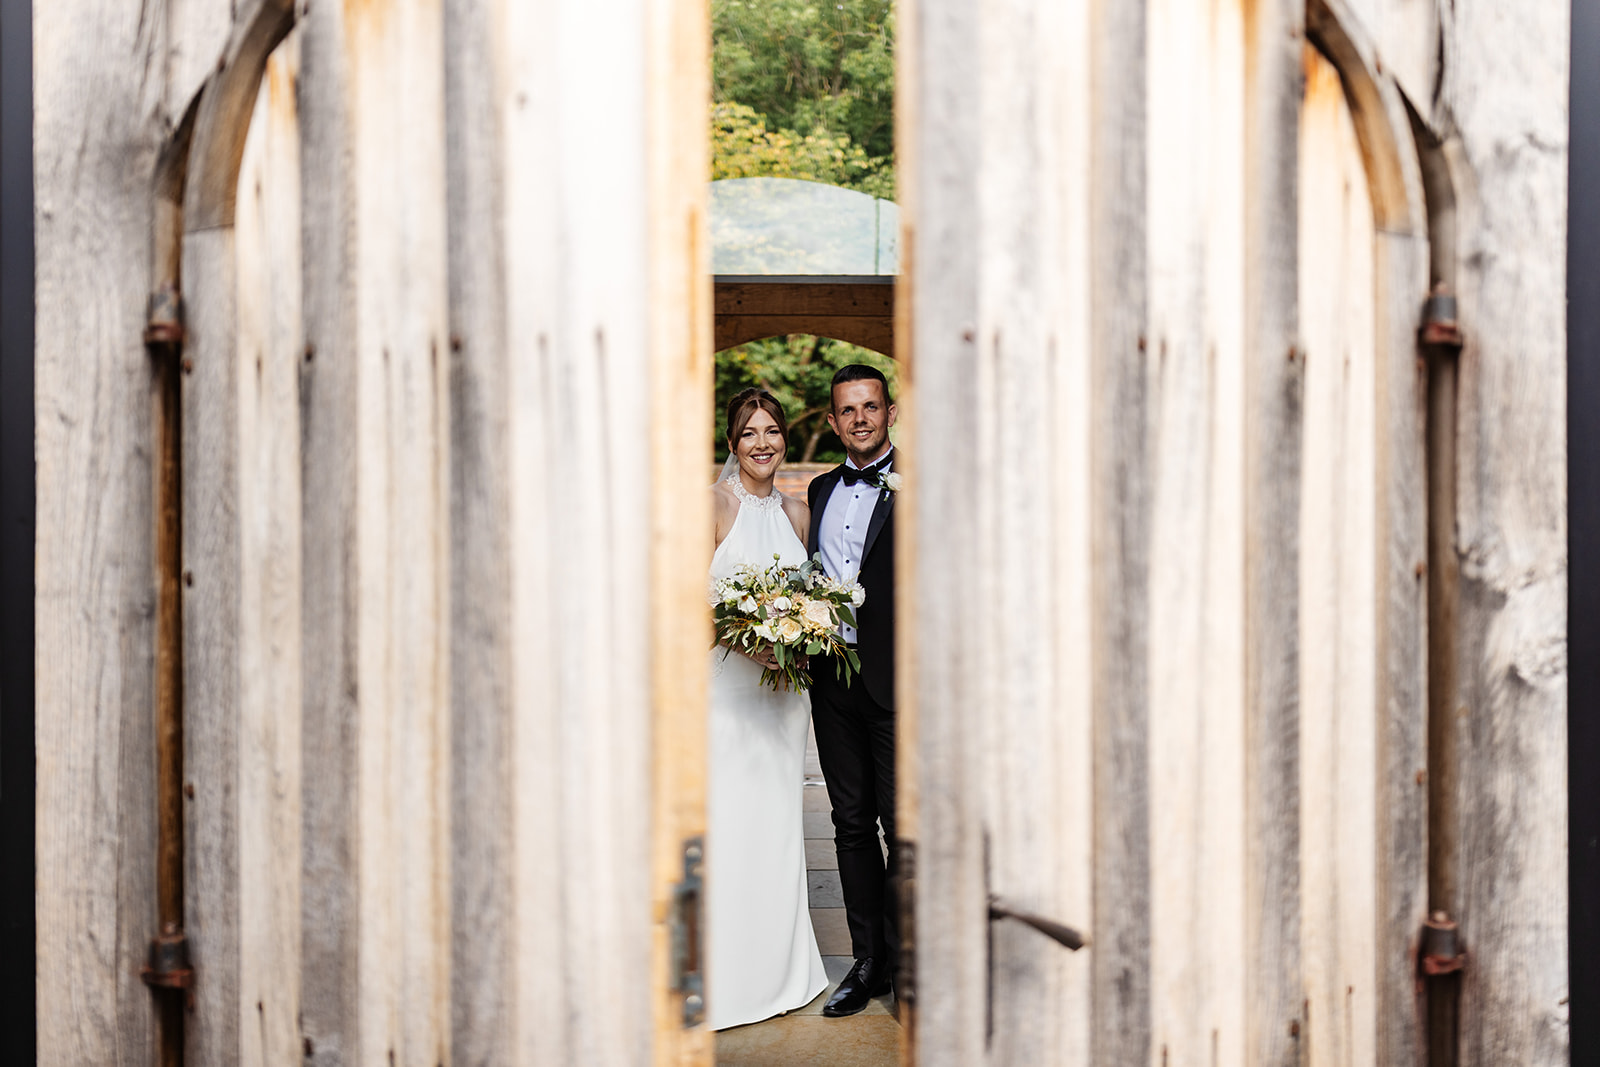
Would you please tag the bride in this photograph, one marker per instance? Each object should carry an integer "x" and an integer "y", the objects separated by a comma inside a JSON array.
[{"x": 762, "y": 953}]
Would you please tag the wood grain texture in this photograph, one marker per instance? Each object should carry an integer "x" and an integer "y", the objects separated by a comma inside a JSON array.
[
  {"x": 267, "y": 360},
  {"x": 1274, "y": 373},
  {"x": 680, "y": 372},
  {"x": 1505, "y": 88},
  {"x": 1195, "y": 231},
  {"x": 483, "y": 892},
  {"x": 211, "y": 640},
  {"x": 96, "y": 135},
  {"x": 1338, "y": 579},
  {"x": 939, "y": 140},
  {"x": 375, "y": 907},
  {"x": 994, "y": 564},
  {"x": 1030, "y": 636},
  {"x": 577, "y": 240},
  {"x": 1121, "y": 384},
  {"x": 1402, "y": 249},
  {"x": 241, "y": 574}
]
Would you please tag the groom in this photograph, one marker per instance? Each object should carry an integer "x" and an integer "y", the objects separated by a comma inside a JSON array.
[{"x": 852, "y": 526}]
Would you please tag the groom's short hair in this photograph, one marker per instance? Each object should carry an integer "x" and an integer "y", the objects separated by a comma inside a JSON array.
[{"x": 859, "y": 372}]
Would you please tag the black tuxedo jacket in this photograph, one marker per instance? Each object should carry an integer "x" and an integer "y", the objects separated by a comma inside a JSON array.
[{"x": 875, "y": 618}]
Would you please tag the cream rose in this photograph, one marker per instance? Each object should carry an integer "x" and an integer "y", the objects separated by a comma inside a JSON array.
[
  {"x": 817, "y": 614},
  {"x": 789, "y": 629}
]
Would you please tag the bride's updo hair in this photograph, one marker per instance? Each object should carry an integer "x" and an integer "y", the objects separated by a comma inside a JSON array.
[{"x": 744, "y": 405}]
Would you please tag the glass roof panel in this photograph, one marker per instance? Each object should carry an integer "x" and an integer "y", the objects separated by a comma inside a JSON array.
[{"x": 789, "y": 226}]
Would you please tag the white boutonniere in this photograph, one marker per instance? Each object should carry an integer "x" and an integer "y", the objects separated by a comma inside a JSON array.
[{"x": 890, "y": 481}]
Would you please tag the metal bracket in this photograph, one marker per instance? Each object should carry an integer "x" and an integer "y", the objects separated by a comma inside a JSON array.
[
  {"x": 1441, "y": 947},
  {"x": 168, "y": 966},
  {"x": 1440, "y": 328},
  {"x": 688, "y": 976}
]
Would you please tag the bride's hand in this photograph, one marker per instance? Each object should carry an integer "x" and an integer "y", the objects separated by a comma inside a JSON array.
[{"x": 765, "y": 658}]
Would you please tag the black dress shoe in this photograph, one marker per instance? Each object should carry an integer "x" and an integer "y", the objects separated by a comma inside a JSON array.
[{"x": 867, "y": 979}]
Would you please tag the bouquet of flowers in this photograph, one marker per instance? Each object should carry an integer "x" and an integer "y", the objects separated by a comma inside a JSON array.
[{"x": 794, "y": 612}]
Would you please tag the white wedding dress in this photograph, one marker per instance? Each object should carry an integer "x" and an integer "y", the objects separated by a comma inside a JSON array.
[{"x": 762, "y": 956}]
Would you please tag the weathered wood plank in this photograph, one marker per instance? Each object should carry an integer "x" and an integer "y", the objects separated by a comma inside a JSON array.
[
  {"x": 484, "y": 895},
  {"x": 267, "y": 359},
  {"x": 677, "y": 79},
  {"x": 211, "y": 641},
  {"x": 1030, "y": 635},
  {"x": 1505, "y": 87},
  {"x": 375, "y": 909},
  {"x": 1273, "y": 412},
  {"x": 577, "y": 247},
  {"x": 938, "y": 142},
  {"x": 1196, "y": 607},
  {"x": 1119, "y": 310},
  {"x": 1338, "y": 579},
  {"x": 96, "y": 140}
]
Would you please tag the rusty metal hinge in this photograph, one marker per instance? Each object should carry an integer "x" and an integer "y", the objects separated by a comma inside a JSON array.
[
  {"x": 164, "y": 318},
  {"x": 1440, "y": 326},
  {"x": 688, "y": 977},
  {"x": 1441, "y": 952},
  {"x": 168, "y": 965}
]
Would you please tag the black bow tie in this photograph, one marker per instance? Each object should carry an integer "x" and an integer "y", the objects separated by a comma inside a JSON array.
[{"x": 852, "y": 475}]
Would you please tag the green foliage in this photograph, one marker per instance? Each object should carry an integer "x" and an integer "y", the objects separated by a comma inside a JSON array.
[
  {"x": 797, "y": 371},
  {"x": 743, "y": 147},
  {"x": 809, "y": 66}
]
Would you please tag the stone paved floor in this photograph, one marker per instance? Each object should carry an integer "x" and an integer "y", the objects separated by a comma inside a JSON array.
[{"x": 870, "y": 1039}]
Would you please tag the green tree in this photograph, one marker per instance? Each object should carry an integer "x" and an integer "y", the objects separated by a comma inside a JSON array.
[
  {"x": 797, "y": 370},
  {"x": 811, "y": 67}
]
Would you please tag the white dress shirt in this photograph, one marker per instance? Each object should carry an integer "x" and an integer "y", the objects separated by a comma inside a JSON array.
[{"x": 843, "y": 532}]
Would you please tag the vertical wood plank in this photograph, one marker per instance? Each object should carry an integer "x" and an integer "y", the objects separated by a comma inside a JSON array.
[
  {"x": 267, "y": 356},
  {"x": 483, "y": 892},
  {"x": 1030, "y": 633},
  {"x": 577, "y": 246},
  {"x": 939, "y": 184},
  {"x": 1505, "y": 86},
  {"x": 1338, "y": 578},
  {"x": 1273, "y": 412},
  {"x": 939, "y": 145},
  {"x": 211, "y": 641},
  {"x": 679, "y": 351},
  {"x": 376, "y": 819},
  {"x": 1196, "y": 606},
  {"x": 96, "y": 135},
  {"x": 1119, "y": 303}
]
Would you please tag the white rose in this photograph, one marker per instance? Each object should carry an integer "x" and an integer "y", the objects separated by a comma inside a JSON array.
[
  {"x": 858, "y": 595},
  {"x": 748, "y": 605},
  {"x": 781, "y": 604},
  {"x": 893, "y": 481},
  {"x": 817, "y": 614},
  {"x": 789, "y": 629}
]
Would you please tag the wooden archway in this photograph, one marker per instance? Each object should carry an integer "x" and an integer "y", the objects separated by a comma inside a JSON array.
[{"x": 856, "y": 309}]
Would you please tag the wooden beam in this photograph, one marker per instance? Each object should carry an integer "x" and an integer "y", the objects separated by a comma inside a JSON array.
[{"x": 860, "y": 311}]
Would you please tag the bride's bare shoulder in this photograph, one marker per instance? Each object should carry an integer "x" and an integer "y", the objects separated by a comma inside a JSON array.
[{"x": 797, "y": 510}]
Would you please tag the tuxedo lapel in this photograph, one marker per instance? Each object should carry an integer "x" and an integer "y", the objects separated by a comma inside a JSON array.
[{"x": 880, "y": 515}]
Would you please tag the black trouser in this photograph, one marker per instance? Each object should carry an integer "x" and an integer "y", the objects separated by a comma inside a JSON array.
[{"x": 855, "y": 744}]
